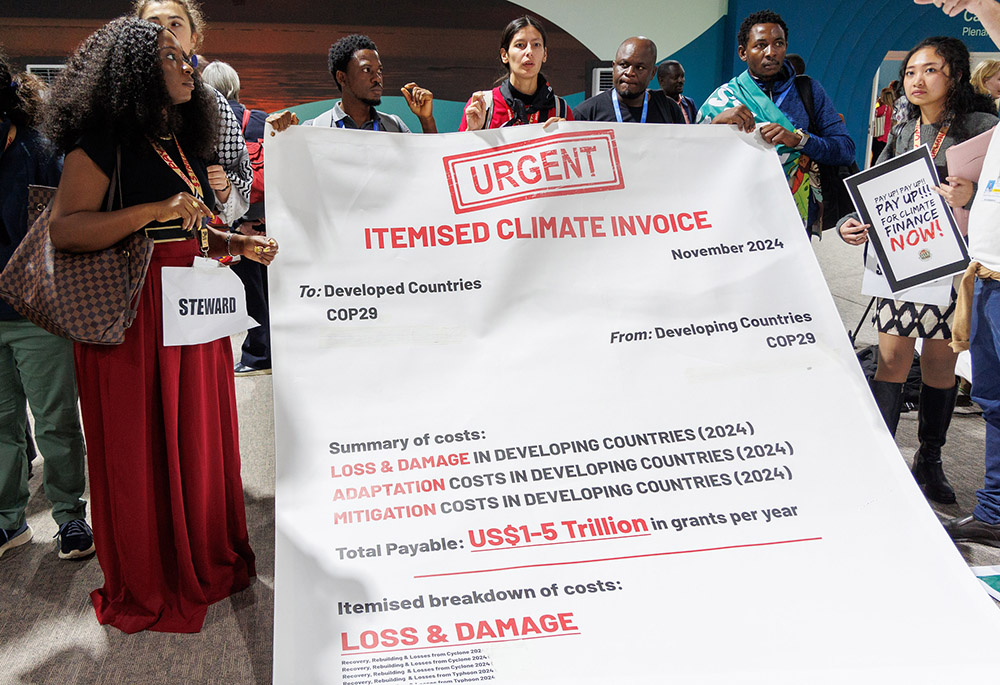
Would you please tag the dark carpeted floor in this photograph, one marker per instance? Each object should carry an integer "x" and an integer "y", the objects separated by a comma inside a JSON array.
[{"x": 48, "y": 632}]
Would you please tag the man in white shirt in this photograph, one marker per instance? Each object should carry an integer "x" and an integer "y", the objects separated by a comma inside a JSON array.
[{"x": 983, "y": 526}]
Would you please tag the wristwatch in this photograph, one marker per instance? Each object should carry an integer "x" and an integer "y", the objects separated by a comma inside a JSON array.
[{"x": 804, "y": 138}]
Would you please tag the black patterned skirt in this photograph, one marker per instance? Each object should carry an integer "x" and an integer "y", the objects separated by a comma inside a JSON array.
[{"x": 915, "y": 320}]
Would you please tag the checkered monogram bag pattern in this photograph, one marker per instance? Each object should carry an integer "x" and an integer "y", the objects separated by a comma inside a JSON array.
[
  {"x": 89, "y": 297},
  {"x": 39, "y": 198}
]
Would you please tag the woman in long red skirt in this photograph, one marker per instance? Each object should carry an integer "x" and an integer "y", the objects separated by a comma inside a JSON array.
[{"x": 160, "y": 422}]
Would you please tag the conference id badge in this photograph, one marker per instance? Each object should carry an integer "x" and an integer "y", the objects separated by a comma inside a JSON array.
[
  {"x": 989, "y": 177},
  {"x": 991, "y": 191},
  {"x": 201, "y": 303}
]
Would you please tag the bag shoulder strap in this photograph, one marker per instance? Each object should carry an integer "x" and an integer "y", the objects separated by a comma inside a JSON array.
[
  {"x": 246, "y": 120},
  {"x": 115, "y": 184},
  {"x": 803, "y": 84},
  {"x": 488, "y": 101}
]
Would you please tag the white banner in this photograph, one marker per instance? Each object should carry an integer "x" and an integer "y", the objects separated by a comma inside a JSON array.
[
  {"x": 576, "y": 407},
  {"x": 202, "y": 303}
]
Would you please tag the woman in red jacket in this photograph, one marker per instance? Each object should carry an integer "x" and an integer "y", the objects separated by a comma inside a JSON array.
[{"x": 523, "y": 96}]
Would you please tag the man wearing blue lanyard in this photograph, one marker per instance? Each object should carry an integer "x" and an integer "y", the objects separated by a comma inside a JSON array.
[
  {"x": 629, "y": 100},
  {"x": 357, "y": 70}
]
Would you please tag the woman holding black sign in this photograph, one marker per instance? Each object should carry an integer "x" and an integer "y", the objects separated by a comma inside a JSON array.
[{"x": 945, "y": 111}]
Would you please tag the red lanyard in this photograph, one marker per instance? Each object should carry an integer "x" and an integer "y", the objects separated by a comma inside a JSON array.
[
  {"x": 532, "y": 118},
  {"x": 937, "y": 141},
  {"x": 189, "y": 178}
]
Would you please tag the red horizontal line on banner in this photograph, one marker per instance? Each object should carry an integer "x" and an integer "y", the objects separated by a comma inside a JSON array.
[
  {"x": 634, "y": 556},
  {"x": 564, "y": 542},
  {"x": 454, "y": 644}
]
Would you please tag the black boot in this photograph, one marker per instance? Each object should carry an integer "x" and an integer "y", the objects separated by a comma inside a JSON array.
[
  {"x": 889, "y": 398},
  {"x": 933, "y": 419}
]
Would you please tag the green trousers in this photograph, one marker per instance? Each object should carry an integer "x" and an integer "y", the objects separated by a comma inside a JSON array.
[{"x": 37, "y": 367}]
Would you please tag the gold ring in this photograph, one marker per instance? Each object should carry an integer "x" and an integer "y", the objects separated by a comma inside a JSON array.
[
  {"x": 194, "y": 204},
  {"x": 258, "y": 249}
]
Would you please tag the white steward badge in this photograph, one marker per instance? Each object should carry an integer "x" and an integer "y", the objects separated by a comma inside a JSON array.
[{"x": 202, "y": 303}]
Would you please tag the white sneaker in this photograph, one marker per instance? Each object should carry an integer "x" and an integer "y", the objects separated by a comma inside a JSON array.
[{"x": 14, "y": 538}]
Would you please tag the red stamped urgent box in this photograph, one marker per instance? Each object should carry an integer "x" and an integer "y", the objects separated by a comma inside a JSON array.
[{"x": 560, "y": 164}]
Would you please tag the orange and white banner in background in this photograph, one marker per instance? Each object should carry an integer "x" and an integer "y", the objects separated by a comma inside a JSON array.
[{"x": 575, "y": 406}]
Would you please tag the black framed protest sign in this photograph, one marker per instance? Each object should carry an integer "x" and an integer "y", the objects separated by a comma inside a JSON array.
[{"x": 912, "y": 229}]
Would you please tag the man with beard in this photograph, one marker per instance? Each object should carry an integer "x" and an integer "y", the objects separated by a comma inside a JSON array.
[
  {"x": 768, "y": 92},
  {"x": 629, "y": 100},
  {"x": 670, "y": 76},
  {"x": 357, "y": 70}
]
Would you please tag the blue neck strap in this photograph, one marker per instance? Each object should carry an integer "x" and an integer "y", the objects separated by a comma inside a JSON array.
[
  {"x": 781, "y": 98},
  {"x": 375, "y": 127},
  {"x": 618, "y": 109}
]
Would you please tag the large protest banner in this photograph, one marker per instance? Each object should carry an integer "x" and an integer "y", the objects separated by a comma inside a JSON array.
[{"x": 575, "y": 406}]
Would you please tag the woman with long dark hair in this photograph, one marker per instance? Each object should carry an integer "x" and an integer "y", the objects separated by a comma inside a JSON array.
[
  {"x": 522, "y": 95},
  {"x": 944, "y": 110},
  {"x": 161, "y": 423}
]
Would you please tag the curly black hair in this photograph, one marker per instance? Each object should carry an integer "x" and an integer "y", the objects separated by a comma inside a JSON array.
[
  {"x": 761, "y": 17},
  {"x": 343, "y": 50},
  {"x": 114, "y": 82},
  {"x": 962, "y": 97},
  {"x": 20, "y": 95}
]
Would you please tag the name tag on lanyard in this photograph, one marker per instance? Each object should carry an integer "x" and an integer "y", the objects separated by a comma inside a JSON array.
[
  {"x": 991, "y": 190},
  {"x": 202, "y": 303}
]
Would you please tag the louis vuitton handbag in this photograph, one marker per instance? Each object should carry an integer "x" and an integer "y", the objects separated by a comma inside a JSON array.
[{"x": 89, "y": 297}]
